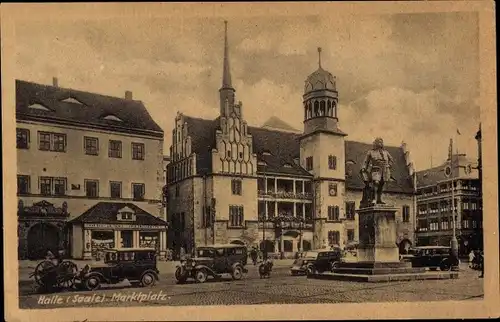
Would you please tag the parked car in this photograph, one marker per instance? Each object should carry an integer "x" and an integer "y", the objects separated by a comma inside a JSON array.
[
  {"x": 316, "y": 261},
  {"x": 433, "y": 257},
  {"x": 138, "y": 266},
  {"x": 213, "y": 261}
]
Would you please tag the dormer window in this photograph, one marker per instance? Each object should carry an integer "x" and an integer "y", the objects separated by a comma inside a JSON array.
[
  {"x": 112, "y": 117},
  {"x": 72, "y": 100},
  {"x": 37, "y": 106},
  {"x": 266, "y": 153},
  {"x": 262, "y": 163},
  {"x": 126, "y": 214},
  {"x": 286, "y": 165}
]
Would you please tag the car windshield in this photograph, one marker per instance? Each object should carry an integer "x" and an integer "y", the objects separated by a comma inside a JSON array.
[
  {"x": 310, "y": 255},
  {"x": 207, "y": 252}
]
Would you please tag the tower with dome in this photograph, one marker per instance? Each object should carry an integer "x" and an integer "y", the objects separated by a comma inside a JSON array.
[{"x": 274, "y": 187}]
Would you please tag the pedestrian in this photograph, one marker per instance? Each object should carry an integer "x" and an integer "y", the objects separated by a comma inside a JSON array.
[
  {"x": 471, "y": 258},
  {"x": 182, "y": 253},
  {"x": 253, "y": 255}
]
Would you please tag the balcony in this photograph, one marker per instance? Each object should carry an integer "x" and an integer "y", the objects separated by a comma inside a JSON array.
[{"x": 285, "y": 195}]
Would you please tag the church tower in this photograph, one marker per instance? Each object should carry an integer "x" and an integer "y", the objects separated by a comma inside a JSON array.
[{"x": 322, "y": 153}]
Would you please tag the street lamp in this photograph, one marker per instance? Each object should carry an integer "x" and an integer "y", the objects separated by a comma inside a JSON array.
[{"x": 454, "y": 241}]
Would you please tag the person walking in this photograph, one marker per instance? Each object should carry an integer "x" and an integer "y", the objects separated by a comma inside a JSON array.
[
  {"x": 481, "y": 264},
  {"x": 471, "y": 259},
  {"x": 253, "y": 255}
]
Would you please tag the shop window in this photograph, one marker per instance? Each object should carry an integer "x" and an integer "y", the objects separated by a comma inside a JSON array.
[
  {"x": 306, "y": 245},
  {"x": 127, "y": 240},
  {"x": 288, "y": 246},
  {"x": 334, "y": 238},
  {"x": 149, "y": 239}
]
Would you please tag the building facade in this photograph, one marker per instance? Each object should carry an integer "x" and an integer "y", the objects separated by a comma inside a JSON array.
[
  {"x": 276, "y": 188},
  {"x": 435, "y": 203},
  {"x": 81, "y": 153}
]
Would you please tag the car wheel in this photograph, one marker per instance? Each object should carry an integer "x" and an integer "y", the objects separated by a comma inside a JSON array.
[
  {"x": 309, "y": 270},
  {"x": 148, "y": 279},
  {"x": 92, "y": 283},
  {"x": 445, "y": 266},
  {"x": 180, "y": 275},
  {"x": 237, "y": 273},
  {"x": 334, "y": 266},
  {"x": 201, "y": 276}
]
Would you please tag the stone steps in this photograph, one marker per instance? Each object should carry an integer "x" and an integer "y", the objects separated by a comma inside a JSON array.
[
  {"x": 386, "y": 277},
  {"x": 378, "y": 271}
]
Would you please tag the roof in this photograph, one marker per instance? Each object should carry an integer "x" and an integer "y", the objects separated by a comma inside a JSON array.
[
  {"x": 433, "y": 176},
  {"x": 319, "y": 80},
  {"x": 106, "y": 213},
  {"x": 59, "y": 104},
  {"x": 284, "y": 148}
]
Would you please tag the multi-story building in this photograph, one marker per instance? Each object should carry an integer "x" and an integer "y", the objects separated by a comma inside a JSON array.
[
  {"x": 229, "y": 182},
  {"x": 89, "y": 171},
  {"x": 434, "y": 204}
]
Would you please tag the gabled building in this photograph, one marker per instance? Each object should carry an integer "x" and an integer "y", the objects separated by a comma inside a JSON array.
[
  {"x": 227, "y": 182},
  {"x": 81, "y": 153},
  {"x": 434, "y": 204}
]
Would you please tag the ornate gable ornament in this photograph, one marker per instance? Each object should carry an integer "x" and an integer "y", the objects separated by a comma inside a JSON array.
[{"x": 43, "y": 208}]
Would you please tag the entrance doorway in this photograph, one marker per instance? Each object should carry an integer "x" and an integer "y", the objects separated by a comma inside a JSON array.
[
  {"x": 41, "y": 238},
  {"x": 127, "y": 238}
]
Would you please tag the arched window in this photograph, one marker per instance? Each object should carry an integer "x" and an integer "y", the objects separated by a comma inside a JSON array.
[
  {"x": 316, "y": 108},
  {"x": 322, "y": 109},
  {"x": 334, "y": 109},
  {"x": 329, "y": 108}
]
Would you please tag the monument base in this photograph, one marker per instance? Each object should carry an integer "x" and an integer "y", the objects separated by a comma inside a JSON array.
[{"x": 378, "y": 255}]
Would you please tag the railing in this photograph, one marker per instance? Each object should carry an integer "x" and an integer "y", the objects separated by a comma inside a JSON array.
[{"x": 285, "y": 194}]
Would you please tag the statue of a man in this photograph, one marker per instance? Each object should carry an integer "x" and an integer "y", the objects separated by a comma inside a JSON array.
[{"x": 376, "y": 171}]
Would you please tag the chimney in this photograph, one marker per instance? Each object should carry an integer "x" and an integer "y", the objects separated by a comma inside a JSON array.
[
  {"x": 128, "y": 95},
  {"x": 54, "y": 82}
]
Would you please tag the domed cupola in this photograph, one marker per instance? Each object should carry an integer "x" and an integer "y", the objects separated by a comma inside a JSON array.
[{"x": 320, "y": 100}]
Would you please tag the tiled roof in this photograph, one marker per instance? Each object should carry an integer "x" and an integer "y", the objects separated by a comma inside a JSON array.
[
  {"x": 278, "y": 124},
  {"x": 434, "y": 175},
  {"x": 106, "y": 212},
  {"x": 133, "y": 114},
  {"x": 283, "y": 147}
]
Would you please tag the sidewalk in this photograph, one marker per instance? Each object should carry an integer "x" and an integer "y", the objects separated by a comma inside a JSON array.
[{"x": 26, "y": 267}]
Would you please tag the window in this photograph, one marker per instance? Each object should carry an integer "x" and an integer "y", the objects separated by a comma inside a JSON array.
[
  {"x": 350, "y": 210},
  {"x": 23, "y": 138},
  {"x": 91, "y": 145},
  {"x": 138, "y": 190},
  {"x": 137, "y": 151},
  {"x": 92, "y": 188},
  {"x": 236, "y": 186},
  {"x": 126, "y": 216},
  {"x": 236, "y": 216},
  {"x": 23, "y": 184},
  {"x": 334, "y": 238},
  {"x": 116, "y": 189},
  {"x": 51, "y": 142},
  {"x": 177, "y": 191},
  {"x": 350, "y": 235},
  {"x": 332, "y": 162},
  {"x": 115, "y": 149},
  {"x": 333, "y": 213},
  {"x": 309, "y": 163},
  {"x": 406, "y": 213},
  {"x": 60, "y": 186},
  {"x": 52, "y": 186}
]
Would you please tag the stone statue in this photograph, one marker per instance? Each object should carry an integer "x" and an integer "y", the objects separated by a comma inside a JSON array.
[{"x": 375, "y": 172}]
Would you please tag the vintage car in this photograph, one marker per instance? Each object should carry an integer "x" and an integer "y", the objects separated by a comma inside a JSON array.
[
  {"x": 213, "y": 261},
  {"x": 316, "y": 261},
  {"x": 137, "y": 265},
  {"x": 433, "y": 257}
]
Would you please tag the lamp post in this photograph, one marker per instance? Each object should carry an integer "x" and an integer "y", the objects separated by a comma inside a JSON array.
[{"x": 454, "y": 241}]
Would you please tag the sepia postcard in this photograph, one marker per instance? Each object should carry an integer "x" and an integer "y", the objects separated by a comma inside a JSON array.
[{"x": 249, "y": 161}]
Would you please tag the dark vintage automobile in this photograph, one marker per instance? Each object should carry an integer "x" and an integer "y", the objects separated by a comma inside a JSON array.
[
  {"x": 213, "y": 261},
  {"x": 316, "y": 261},
  {"x": 433, "y": 257},
  {"x": 137, "y": 265}
]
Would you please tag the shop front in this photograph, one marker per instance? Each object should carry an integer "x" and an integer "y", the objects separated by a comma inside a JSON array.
[{"x": 116, "y": 225}]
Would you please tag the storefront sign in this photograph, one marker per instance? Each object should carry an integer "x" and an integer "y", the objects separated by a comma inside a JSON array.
[{"x": 123, "y": 226}]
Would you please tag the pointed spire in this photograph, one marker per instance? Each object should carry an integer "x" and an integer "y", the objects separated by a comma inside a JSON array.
[
  {"x": 319, "y": 57},
  {"x": 226, "y": 76}
]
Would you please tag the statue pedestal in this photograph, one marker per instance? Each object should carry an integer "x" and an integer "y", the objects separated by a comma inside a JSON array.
[
  {"x": 377, "y": 234},
  {"x": 378, "y": 254}
]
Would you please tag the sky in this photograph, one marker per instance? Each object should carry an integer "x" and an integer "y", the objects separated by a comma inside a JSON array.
[{"x": 404, "y": 77}]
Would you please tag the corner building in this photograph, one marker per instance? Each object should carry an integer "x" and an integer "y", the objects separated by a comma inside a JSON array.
[
  {"x": 227, "y": 182},
  {"x": 89, "y": 173}
]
